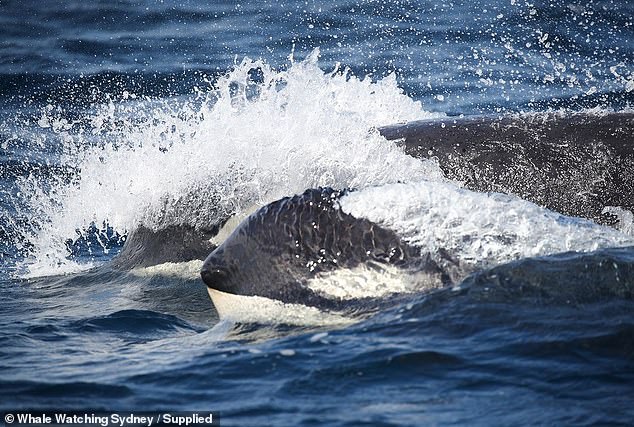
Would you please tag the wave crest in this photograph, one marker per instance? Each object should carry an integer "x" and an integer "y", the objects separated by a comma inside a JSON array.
[{"x": 255, "y": 135}]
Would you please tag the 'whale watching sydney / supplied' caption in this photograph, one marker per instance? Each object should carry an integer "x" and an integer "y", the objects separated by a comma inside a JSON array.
[{"x": 104, "y": 419}]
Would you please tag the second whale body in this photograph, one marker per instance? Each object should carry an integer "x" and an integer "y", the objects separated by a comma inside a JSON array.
[{"x": 578, "y": 164}]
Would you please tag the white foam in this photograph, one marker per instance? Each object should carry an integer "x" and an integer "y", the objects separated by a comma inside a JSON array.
[
  {"x": 189, "y": 270},
  {"x": 478, "y": 229},
  {"x": 256, "y": 309},
  {"x": 625, "y": 218},
  {"x": 175, "y": 161}
]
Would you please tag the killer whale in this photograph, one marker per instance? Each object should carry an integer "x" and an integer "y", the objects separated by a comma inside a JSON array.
[
  {"x": 282, "y": 250},
  {"x": 145, "y": 247},
  {"x": 319, "y": 249}
]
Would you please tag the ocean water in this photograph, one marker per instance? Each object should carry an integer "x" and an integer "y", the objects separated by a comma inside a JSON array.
[{"x": 157, "y": 114}]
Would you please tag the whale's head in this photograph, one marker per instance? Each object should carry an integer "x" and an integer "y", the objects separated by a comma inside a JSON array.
[{"x": 282, "y": 250}]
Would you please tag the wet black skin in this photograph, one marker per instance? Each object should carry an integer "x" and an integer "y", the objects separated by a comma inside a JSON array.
[
  {"x": 574, "y": 164},
  {"x": 145, "y": 247},
  {"x": 276, "y": 250}
]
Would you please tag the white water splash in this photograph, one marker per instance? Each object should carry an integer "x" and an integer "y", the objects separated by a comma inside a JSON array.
[
  {"x": 175, "y": 161},
  {"x": 625, "y": 218},
  {"x": 480, "y": 229}
]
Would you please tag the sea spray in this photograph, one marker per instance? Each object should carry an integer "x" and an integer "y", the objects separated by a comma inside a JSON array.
[
  {"x": 257, "y": 135},
  {"x": 478, "y": 229}
]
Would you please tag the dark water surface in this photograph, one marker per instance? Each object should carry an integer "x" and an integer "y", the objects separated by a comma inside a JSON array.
[{"x": 123, "y": 114}]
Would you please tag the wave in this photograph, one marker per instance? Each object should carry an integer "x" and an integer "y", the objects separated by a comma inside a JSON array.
[{"x": 258, "y": 135}]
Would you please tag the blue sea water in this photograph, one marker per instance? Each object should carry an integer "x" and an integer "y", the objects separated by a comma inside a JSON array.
[{"x": 123, "y": 114}]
